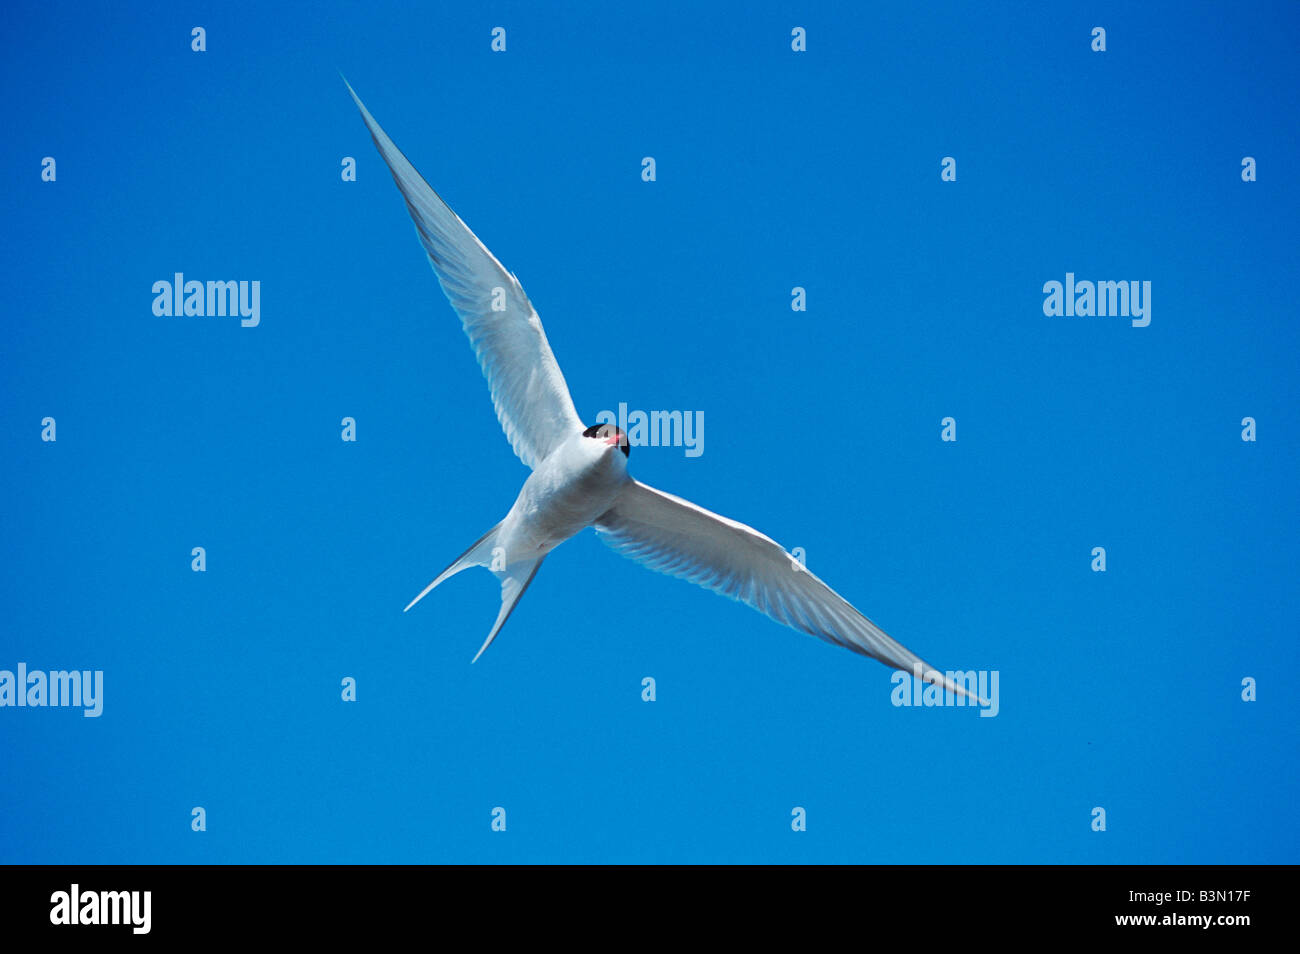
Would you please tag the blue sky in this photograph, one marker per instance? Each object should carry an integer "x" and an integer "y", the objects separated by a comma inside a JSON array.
[{"x": 774, "y": 169}]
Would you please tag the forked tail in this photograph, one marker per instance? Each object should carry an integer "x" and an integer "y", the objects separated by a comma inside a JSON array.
[
  {"x": 514, "y": 578},
  {"x": 479, "y": 554}
]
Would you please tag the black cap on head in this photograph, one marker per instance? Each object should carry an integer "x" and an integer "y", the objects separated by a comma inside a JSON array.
[{"x": 607, "y": 431}]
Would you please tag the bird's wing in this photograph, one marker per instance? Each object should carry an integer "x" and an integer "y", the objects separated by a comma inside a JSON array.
[
  {"x": 673, "y": 536},
  {"x": 528, "y": 391}
]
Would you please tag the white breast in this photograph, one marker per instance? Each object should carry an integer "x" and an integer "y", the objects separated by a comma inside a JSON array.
[{"x": 577, "y": 483}]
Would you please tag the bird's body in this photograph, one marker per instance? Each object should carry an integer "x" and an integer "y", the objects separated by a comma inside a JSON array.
[
  {"x": 572, "y": 487},
  {"x": 566, "y": 494},
  {"x": 580, "y": 476}
]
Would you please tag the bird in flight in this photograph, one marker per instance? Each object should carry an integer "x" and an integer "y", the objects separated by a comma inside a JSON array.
[{"x": 580, "y": 474}]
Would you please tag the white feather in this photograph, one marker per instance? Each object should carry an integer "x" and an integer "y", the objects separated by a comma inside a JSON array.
[
  {"x": 674, "y": 536},
  {"x": 528, "y": 391}
]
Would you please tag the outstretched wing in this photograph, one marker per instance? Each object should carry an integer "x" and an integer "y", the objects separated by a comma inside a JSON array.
[
  {"x": 673, "y": 536},
  {"x": 528, "y": 391}
]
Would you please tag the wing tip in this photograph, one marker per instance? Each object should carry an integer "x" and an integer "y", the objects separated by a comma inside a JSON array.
[
  {"x": 947, "y": 684},
  {"x": 365, "y": 113}
]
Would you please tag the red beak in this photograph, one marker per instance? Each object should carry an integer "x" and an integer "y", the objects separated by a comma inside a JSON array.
[{"x": 614, "y": 439}]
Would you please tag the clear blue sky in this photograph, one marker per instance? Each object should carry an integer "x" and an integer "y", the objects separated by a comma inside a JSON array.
[{"x": 774, "y": 169}]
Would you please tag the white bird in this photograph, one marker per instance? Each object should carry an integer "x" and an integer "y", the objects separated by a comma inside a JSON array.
[{"x": 579, "y": 474}]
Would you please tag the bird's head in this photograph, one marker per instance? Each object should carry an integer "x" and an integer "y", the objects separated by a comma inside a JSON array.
[{"x": 609, "y": 434}]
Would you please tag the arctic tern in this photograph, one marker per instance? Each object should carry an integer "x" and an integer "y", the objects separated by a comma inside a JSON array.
[{"x": 579, "y": 474}]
